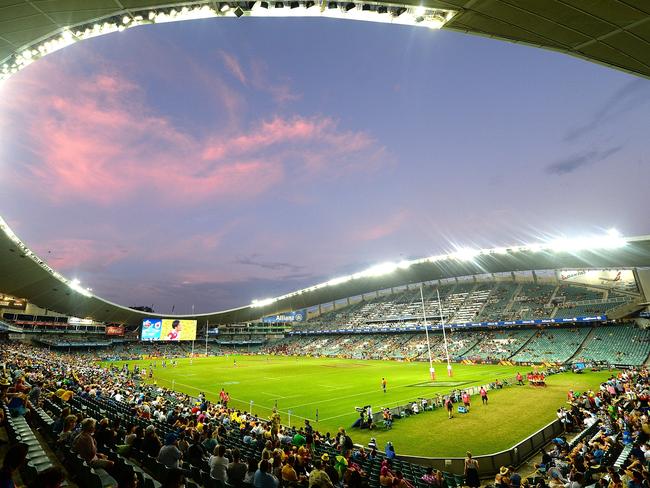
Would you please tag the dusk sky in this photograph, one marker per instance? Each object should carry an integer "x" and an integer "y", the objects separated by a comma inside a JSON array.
[{"x": 212, "y": 162}]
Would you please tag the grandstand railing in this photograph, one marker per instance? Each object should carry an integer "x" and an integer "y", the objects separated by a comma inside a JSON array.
[{"x": 490, "y": 463}]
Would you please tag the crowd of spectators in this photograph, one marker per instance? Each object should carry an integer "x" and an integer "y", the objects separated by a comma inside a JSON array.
[
  {"x": 612, "y": 448},
  {"x": 185, "y": 435},
  {"x": 606, "y": 440}
]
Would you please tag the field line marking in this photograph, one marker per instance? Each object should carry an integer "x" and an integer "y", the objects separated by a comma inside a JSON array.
[
  {"x": 244, "y": 402},
  {"x": 338, "y": 398},
  {"x": 272, "y": 395}
]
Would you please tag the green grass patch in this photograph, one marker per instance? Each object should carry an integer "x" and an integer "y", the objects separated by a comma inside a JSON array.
[{"x": 334, "y": 387}]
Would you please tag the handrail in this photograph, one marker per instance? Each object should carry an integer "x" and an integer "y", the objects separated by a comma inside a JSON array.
[{"x": 490, "y": 463}]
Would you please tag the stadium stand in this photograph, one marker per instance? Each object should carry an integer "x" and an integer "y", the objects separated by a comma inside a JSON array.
[
  {"x": 552, "y": 345},
  {"x": 137, "y": 431},
  {"x": 466, "y": 302},
  {"x": 619, "y": 344},
  {"x": 499, "y": 344}
]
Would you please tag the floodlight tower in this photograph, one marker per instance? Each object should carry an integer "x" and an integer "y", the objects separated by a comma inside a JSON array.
[
  {"x": 444, "y": 335},
  {"x": 432, "y": 371}
]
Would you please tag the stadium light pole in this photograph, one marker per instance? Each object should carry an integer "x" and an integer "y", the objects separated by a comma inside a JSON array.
[
  {"x": 432, "y": 371},
  {"x": 206, "y": 338},
  {"x": 444, "y": 335}
]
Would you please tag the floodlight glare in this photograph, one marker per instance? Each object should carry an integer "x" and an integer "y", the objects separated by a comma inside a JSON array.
[
  {"x": 465, "y": 254},
  {"x": 404, "y": 264},
  {"x": 263, "y": 303},
  {"x": 380, "y": 269}
]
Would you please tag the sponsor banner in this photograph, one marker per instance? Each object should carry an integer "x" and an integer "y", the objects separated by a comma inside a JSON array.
[
  {"x": 78, "y": 321},
  {"x": 115, "y": 330},
  {"x": 418, "y": 328},
  {"x": 297, "y": 316},
  {"x": 7, "y": 301},
  {"x": 609, "y": 278},
  {"x": 156, "y": 329}
]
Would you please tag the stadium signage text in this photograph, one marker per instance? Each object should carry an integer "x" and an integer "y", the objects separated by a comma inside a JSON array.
[
  {"x": 417, "y": 328},
  {"x": 297, "y": 316}
]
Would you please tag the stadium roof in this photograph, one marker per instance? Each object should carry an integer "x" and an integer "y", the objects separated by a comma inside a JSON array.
[
  {"x": 615, "y": 33},
  {"x": 25, "y": 275}
]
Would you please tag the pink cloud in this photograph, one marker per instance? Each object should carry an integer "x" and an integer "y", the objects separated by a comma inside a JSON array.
[
  {"x": 75, "y": 254},
  {"x": 233, "y": 66},
  {"x": 389, "y": 225},
  {"x": 96, "y": 140},
  {"x": 281, "y": 90}
]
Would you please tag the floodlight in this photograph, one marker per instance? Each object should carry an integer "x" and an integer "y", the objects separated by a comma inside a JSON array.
[
  {"x": 337, "y": 281},
  {"x": 464, "y": 254},
  {"x": 380, "y": 269},
  {"x": 404, "y": 264},
  {"x": 224, "y": 7},
  {"x": 419, "y": 11},
  {"x": 263, "y": 303}
]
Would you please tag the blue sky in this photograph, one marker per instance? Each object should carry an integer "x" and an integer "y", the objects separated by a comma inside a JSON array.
[{"x": 211, "y": 162}]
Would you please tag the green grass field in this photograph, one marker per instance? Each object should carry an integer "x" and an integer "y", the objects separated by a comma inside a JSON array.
[{"x": 336, "y": 386}]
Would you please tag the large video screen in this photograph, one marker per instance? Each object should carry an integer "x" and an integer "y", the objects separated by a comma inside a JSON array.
[{"x": 155, "y": 329}]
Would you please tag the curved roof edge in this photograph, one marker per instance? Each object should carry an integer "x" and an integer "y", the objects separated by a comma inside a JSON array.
[
  {"x": 27, "y": 276},
  {"x": 614, "y": 33}
]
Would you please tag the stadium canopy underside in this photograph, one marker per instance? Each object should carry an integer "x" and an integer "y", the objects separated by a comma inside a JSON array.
[
  {"x": 26, "y": 276},
  {"x": 615, "y": 33}
]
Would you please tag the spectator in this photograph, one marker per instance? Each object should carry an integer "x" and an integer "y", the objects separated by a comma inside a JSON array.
[
  {"x": 85, "y": 446},
  {"x": 14, "y": 459},
  {"x": 175, "y": 479},
  {"x": 151, "y": 443},
  {"x": 263, "y": 479},
  {"x": 471, "y": 471},
  {"x": 219, "y": 463},
  {"x": 318, "y": 478},
  {"x": 49, "y": 478},
  {"x": 170, "y": 455},
  {"x": 236, "y": 470}
]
